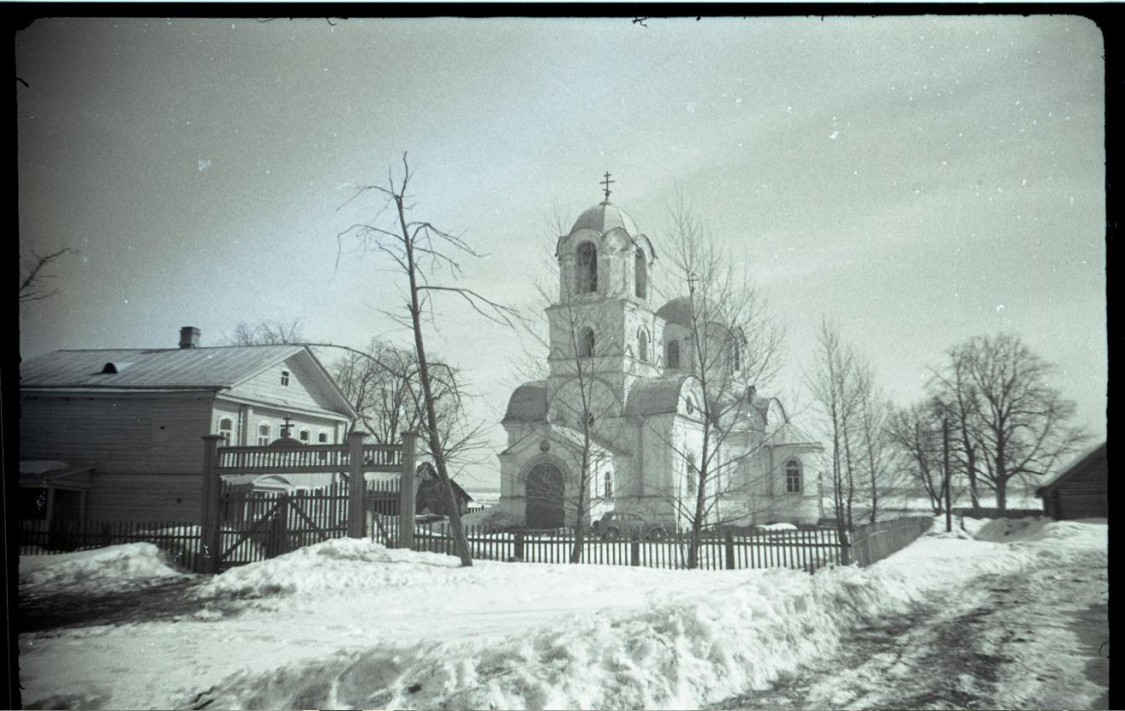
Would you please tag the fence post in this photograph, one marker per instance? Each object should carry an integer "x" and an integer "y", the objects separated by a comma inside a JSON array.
[
  {"x": 729, "y": 545},
  {"x": 845, "y": 548},
  {"x": 517, "y": 553},
  {"x": 357, "y": 516},
  {"x": 634, "y": 551},
  {"x": 212, "y": 488},
  {"x": 407, "y": 490}
]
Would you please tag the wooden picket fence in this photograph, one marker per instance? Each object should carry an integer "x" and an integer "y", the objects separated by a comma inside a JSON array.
[
  {"x": 874, "y": 541},
  {"x": 180, "y": 540},
  {"x": 802, "y": 549},
  {"x": 259, "y": 525}
]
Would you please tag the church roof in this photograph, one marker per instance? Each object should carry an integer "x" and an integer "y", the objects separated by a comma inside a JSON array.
[
  {"x": 528, "y": 402},
  {"x": 652, "y": 396},
  {"x": 604, "y": 217},
  {"x": 678, "y": 310}
]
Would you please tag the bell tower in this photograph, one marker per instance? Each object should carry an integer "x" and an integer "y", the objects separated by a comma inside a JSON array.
[{"x": 602, "y": 322}]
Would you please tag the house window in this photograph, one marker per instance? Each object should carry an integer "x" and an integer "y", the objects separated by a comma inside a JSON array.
[
  {"x": 226, "y": 429},
  {"x": 642, "y": 345},
  {"x": 608, "y": 485},
  {"x": 285, "y": 378},
  {"x": 793, "y": 477},
  {"x": 672, "y": 359},
  {"x": 264, "y": 431},
  {"x": 586, "y": 343},
  {"x": 641, "y": 273},
  {"x": 304, "y": 435},
  {"x": 587, "y": 267}
]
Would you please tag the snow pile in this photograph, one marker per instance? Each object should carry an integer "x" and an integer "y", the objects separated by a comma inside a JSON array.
[
  {"x": 673, "y": 653},
  {"x": 681, "y": 648},
  {"x": 110, "y": 568},
  {"x": 338, "y": 564},
  {"x": 776, "y": 527}
]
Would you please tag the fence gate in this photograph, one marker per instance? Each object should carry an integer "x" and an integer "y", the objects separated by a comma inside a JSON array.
[{"x": 243, "y": 526}]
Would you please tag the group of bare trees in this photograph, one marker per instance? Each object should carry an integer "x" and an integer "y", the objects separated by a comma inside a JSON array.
[
  {"x": 1004, "y": 421},
  {"x": 990, "y": 417},
  {"x": 855, "y": 413}
]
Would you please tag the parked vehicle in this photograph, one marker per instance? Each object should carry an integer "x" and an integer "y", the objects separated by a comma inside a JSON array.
[{"x": 617, "y": 524}]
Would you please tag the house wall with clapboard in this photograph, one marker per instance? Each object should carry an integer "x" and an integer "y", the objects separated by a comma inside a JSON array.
[
  {"x": 1080, "y": 491},
  {"x": 142, "y": 433}
]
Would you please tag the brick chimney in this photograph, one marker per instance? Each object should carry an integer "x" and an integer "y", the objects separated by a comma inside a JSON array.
[{"x": 189, "y": 337}]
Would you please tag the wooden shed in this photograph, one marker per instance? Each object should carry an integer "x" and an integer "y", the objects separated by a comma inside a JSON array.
[{"x": 1080, "y": 490}]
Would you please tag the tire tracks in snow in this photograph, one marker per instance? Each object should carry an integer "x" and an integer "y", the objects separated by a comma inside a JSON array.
[{"x": 1016, "y": 640}]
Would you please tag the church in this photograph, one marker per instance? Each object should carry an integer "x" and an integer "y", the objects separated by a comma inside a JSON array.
[{"x": 622, "y": 396}]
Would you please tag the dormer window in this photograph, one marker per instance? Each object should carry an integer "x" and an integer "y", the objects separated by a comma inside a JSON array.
[{"x": 285, "y": 378}]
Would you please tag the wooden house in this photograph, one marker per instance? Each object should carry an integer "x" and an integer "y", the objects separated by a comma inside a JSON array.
[
  {"x": 1080, "y": 490},
  {"x": 128, "y": 423}
]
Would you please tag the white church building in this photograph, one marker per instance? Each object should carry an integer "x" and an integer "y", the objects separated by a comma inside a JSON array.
[{"x": 622, "y": 366}]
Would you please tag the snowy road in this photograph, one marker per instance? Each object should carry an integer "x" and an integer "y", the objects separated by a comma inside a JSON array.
[{"x": 1018, "y": 640}]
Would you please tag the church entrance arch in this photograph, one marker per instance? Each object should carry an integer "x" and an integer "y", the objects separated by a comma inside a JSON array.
[{"x": 545, "y": 489}]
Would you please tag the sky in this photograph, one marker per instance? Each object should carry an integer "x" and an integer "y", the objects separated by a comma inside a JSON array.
[{"x": 916, "y": 180}]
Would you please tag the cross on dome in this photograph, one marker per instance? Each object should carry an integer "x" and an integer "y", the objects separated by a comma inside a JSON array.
[{"x": 605, "y": 185}]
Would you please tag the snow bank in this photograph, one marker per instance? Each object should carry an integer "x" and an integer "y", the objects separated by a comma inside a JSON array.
[
  {"x": 338, "y": 564},
  {"x": 682, "y": 648},
  {"x": 109, "y": 568}
]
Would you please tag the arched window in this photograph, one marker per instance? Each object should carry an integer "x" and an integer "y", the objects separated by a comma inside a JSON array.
[
  {"x": 226, "y": 429},
  {"x": 587, "y": 267},
  {"x": 304, "y": 435},
  {"x": 692, "y": 474},
  {"x": 322, "y": 437},
  {"x": 793, "y": 477},
  {"x": 609, "y": 485},
  {"x": 586, "y": 343},
  {"x": 672, "y": 358},
  {"x": 642, "y": 345},
  {"x": 264, "y": 433},
  {"x": 641, "y": 273}
]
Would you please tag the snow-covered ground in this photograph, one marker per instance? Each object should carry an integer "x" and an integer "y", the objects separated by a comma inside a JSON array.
[{"x": 348, "y": 623}]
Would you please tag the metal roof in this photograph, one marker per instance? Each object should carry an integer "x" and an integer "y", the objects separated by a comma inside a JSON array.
[
  {"x": 528, "y": 402},
  {"x": 603, "y": 218},
  {"x": 678, "y": 310},
  {"x": 203, "y": 368},
  {"x": 651, "y": 396}
]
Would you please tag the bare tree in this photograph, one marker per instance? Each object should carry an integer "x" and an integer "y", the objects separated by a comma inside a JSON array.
[
  {"x": 732, "y": 348},
  {"x": 267, "y": 333},
  {"x": 35, "y": 274},
  {"x": 915, "y": 435},
  {"x": 836, "y": 386},
  {"x": 383, "y": 386},
  {"x": 578, "y": 339},
  {"x": 420, "y": 250},
  {"x": 873, "y": 413},
  {"x": 1014, "y": 419}
]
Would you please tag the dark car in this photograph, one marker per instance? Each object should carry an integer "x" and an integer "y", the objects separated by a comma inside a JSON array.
[{"x": 617, "y": 524}]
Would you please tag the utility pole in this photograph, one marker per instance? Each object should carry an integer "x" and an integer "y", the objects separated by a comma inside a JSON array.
[{"x": 945, "y": 463}]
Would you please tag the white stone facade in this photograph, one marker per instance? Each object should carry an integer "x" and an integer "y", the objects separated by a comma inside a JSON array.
[{"x": 614, "y": 382}]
